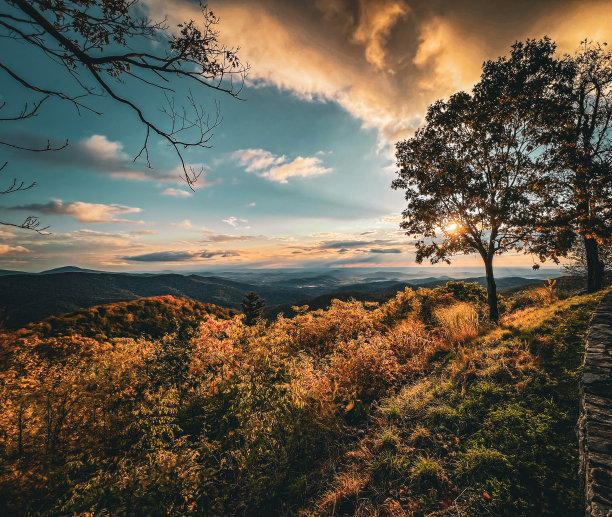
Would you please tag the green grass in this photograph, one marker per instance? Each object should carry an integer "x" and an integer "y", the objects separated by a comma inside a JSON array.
[{"x": 492, "y": 431}]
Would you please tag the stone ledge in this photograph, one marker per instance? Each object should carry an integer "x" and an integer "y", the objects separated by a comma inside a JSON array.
[{"x": 595, "y": 423}]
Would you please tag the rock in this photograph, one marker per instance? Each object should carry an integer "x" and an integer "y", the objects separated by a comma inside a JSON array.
[{"x": 595, "y": 422}]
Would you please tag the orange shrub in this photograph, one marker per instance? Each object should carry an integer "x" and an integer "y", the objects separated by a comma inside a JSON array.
[
  {"x": 318, "y": 332},
  {"x": 215, "y": 354},
  {"x": 364, "y": 369}
]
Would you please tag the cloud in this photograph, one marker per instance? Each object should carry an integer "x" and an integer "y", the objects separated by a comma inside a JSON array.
[
  {"x": 185, "y": 224},
  {"x": 298, "y": 168},
  {"x": 276, "y": 168},
  {"x": 250, "y": 205},
  {"x": 227, "y": 253},
  {"x": 163, "y": 256},
  {"x": 257, "y": 159},
  {"x": 180, "y": 256},
  {"x": 106, "y": 238},
  {"x": 5, "y": 249},
  {"x": 376, "y": 21},
  {"x": 83, "y": 212},
  {"x": 236, "y": 222},
  {"x": 103, "y": 148},
  {"x": 106, "y": 156},
  {"x": 222, "y": 237},
  {"x": 175, "y": 192},
  {"x": 331, "y": 245},
  {"x": 385, "y": 250},
  {"x": 7, "y": 234},
  {"x": 392, "y": 219},
  {"x": 445, "y": 57},
  {"x": 385, "y": 61},
  {"x": 175, "y": 175}
]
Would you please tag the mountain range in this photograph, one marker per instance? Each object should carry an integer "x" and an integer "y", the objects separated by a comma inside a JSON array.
[{"x": 29, "y": 297}]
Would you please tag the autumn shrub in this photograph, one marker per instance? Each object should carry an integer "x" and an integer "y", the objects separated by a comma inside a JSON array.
[
  {"x": 469, "y": 292},
  {"x": 363, "y": 369},
  {"x": 400, "y": 307},
  {"x": 215, "y": 354},
  {"x": 458, "y": 322},
  {"x": 538, "y": 296},
  {"x": 409, "y": 338},
  {"x": 428, "y": 300},
  {"x": 150, "y": 318},
  {"x": 489, "y": 432},
  {"x": 318, "y": 332},
  {"x": 415, "y": 346},
  {"x": 423, "y": 303}
]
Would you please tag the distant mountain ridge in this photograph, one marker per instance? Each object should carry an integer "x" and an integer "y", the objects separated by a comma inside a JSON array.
[{"x": 31, "y": 297}]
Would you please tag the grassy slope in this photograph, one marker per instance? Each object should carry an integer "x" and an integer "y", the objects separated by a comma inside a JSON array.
[{"x": 491, "y": 432}]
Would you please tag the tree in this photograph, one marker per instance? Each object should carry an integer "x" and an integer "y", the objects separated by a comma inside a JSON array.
[
  {"x": 103, "y": 45},
  {"x": 253, "y": 307},
  {"x": 470, "y": 172},
  {"x": 577, "y": 259},
  {"x": 582, "y": 155}
]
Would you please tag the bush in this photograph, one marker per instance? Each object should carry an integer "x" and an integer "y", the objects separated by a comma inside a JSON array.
[
  {"x": 469, "y": 292},
  {"x": 535, "y": 296},
  {"x": 458, "y": 322},
  {"x": 364, "y": 369}
]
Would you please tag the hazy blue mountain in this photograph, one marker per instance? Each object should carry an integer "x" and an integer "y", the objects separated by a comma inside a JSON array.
[
  {"x": 69, "y": 269},
  {"x": 5, "y": 272},
  {"x": 26, "y": 297}
]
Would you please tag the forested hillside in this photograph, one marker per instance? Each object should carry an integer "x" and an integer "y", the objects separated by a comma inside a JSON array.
[
  {"x": 150, "y": 318},
  {"x": 28, "y": 298},
  {"x": 414, "y": 406}
]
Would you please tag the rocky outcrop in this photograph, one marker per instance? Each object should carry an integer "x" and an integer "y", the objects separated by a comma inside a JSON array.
[{"x": 595, "y": 424}]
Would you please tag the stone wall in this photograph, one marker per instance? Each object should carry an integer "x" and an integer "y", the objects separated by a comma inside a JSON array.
[{"x": 595, "y": 423}]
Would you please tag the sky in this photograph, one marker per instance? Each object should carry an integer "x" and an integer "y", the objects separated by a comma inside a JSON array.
[{"x": 299, "y": 169}]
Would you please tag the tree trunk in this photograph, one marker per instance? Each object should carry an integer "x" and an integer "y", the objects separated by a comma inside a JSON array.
[
  {"x": 594, "y": 265},
  {"x": 491, "y": 291}
]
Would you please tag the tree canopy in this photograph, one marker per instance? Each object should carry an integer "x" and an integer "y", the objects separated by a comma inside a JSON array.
[
  {"x": 253, "y": 307},
  {"x": 581, "y": 156},
  {"x": 470, "y": 172}
]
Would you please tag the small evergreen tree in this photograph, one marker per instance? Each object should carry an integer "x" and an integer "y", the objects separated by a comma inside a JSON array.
[{"x": 253, "y": 307}]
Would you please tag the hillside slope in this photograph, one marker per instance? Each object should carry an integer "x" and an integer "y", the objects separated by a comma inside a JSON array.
[
  {"x": 490, "y": 432},
  {"x": 27, "y": 298},
  {"x": 414, "y": 407},
  {"x": 150, "y": 318}
]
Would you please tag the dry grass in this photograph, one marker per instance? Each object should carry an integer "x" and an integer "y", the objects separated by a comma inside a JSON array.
[
  {"x": 459, "y": 322},
  {"x": 345, "y": 493}
]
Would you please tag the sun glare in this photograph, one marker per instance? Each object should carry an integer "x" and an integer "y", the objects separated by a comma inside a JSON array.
[{"x": 452, "y": 227}]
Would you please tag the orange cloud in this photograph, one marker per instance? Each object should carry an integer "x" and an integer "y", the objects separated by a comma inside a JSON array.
[
  {"x": 386, "y": 61},
  {"x": 84, "y": 212}
]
